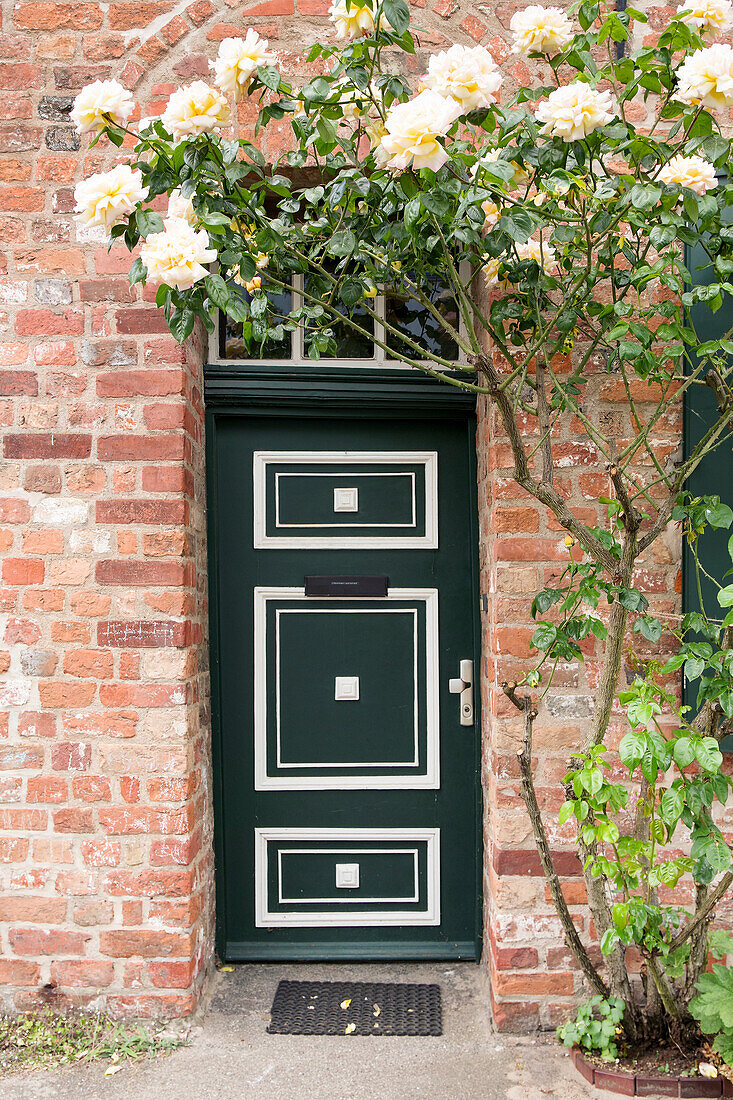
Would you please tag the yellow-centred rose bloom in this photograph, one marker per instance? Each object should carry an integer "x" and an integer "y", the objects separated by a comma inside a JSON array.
[
  {"x": 710, "y": 18},
  {"x": 574, "y": 111},
  {"x": 413, "y": 129},
  {"x": 694, "y": 172},
  {"x": 238, "y": 60},
  {"x": 100, "y": 103},
  {"x": 356, "y": 21},
  {"x": 491, "y": 213},
  {"x": 466, "y": 74},
  {"x": 705, "y": 78},
  {"x": 178, "y": 207},
  {"x": 540, "y": 30},
  {"x": 195, "y": 109},
  {"x": 104, "y": 198},
  {"x": 177, "y": 255},
  {"x": 541, "y": 252}
]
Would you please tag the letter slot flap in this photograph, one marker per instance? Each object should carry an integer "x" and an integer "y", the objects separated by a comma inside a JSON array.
[{"x": 374, "y": 587}]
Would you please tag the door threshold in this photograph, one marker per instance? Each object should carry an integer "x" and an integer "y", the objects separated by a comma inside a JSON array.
[{"x": 356, "y": 952}]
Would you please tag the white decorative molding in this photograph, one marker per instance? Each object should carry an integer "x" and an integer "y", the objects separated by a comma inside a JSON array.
[
  {"x": 409, "y": 475},
  {"x": 347, "y": 876},
  {"x": 346, "y": 688},
  {"x": 411, "y": 898},
  {"x": 368, "y": 917},
  {"x": 344, "y": 781},
  {"x": 410, "y": 613},
  {"x": 427, "y": 459},
  {"x": 345, "y": 499}
]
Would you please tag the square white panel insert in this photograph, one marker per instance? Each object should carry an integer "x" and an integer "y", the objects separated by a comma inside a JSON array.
[
  {"x": 346, "y": 500},
  {"x": 347, "y": 876},
  {"x": 347, "y": 687}
]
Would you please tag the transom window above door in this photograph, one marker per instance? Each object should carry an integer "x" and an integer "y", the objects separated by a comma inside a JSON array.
[{"x": 377, "y": 345}]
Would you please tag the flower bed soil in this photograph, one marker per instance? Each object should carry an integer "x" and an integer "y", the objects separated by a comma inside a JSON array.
[{"x": 663, "y": 1072}]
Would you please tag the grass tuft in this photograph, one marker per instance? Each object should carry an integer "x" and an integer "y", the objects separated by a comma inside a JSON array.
[{"x": 44, "y": 1039}]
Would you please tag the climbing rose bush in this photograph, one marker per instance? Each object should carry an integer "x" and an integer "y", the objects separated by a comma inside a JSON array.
[{"x": 545, "y": 231}]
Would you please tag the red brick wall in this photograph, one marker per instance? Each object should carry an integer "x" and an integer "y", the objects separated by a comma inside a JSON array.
[{"x": 534, "y": 980}]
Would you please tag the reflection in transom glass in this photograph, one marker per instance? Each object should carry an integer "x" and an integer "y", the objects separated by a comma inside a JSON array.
[
  {"x": 237, "y": 339},
  {"x": 241, "y": 341},
  {"x": 350, "y": 344},
  {"x": 415, "y": 320}
]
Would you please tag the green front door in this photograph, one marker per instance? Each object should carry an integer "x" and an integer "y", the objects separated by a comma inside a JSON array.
[{"x": 345, "y": 586}]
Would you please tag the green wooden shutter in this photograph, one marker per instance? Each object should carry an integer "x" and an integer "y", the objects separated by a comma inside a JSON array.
[{"x": 715, "y": 472}]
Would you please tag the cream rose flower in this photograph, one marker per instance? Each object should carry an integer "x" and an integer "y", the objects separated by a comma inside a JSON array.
[
  {"x": 541, "y": 252},
  {"x": 466, "y": 74},
  {"x": 491, "y": 213},
  {"x": 694, "y": 172},
  {"x": 711, "y": 18},
  {"x": 176, "y": 256},
  {"x": 106, "y": 197},
  {"x": 99, "y": 103},
  {"x": 574, "y": 111},
  {"x": 356, "y": 21},
  {"x": 491, "y": 270},
  {"x": 413, "y": 129},
  {"x": 705, "y": 78},
  {"x": 178, "y": 207},
  {"x": 238, "y": 60},
  {"x": 195, "y": 109},
  {"x": 540, "y": 30}
]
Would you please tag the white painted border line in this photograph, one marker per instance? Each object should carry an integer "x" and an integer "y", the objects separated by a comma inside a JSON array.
[
  {"x": 263, "y": 541},
  {"x": 367, "y": 918},
  {"x": 430, "y": 780}
]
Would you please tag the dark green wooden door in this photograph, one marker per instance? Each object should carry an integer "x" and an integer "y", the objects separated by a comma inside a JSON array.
[{"x": 348, "y": 822}]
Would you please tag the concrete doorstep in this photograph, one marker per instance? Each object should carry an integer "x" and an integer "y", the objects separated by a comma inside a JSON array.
[{"x": 231, "y": 1056}]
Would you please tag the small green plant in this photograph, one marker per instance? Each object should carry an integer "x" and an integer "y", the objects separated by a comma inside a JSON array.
[
  {"x": 44, "y": 1039},
  {"x": 597, "y": 1027},
  {"x": 713, "y": 1006}
]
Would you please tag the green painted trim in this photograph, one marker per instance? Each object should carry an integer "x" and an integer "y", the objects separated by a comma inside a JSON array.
[
  {"x": 356, "y": 952},
  {"x": 215, "y": 683},
  {"x": 364, "y": 392},
  {"x": 472, "y": 427}
]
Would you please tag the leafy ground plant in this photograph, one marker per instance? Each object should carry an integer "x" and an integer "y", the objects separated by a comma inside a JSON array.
[
  {"x": 44, "y": 1039},
  {"x": 713, "y": 1006},
  {"x": 597, "y": 1027}
]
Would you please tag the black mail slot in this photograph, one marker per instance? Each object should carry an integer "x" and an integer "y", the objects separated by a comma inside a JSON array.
[{"x": 346, "y": 586}]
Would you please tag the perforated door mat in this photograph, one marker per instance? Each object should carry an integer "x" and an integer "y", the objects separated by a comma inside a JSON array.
[{"x": 356, "y": 1008}]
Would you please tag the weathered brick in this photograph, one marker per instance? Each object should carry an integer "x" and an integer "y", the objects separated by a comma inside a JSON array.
[
  {"x": 143, "y": 634},
  {"x": 33, "y": 910},
  {"x": 173, "y": 512},
  {"x": 140, "y": 573},
  {"x": 51, "y": 445},
  {"x": 37, "y": 941},
  {"x": 88, "y": 974},
  {"x": 148, "y": 944}
]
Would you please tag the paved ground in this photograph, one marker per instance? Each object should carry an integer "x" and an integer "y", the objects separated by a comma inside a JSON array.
[{"x": 231, "y": 1056}]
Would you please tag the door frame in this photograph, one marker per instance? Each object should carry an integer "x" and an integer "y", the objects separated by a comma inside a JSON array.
[{"x": 231, "y": 392}]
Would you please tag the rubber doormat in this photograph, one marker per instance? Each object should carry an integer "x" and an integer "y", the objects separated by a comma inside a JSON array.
[{"x": 356, "y": 1008}]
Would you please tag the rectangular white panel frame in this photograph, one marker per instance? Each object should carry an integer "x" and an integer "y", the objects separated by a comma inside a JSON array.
[
  {"x": 410, "y": 613},
  {"x": 265, "y": 918},
  {"x": 350, "y": 850},
  {"x": 428, "y": 459},
  {"x": 344, "y": 782}
]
